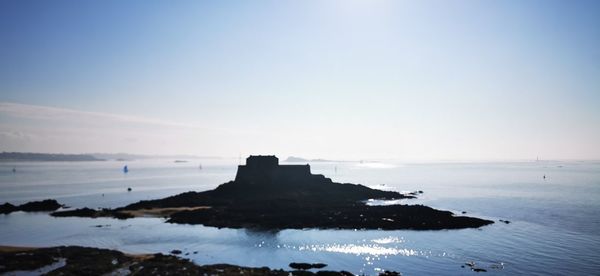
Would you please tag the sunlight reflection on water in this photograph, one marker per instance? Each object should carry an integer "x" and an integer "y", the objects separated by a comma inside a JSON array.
[{"x": 553, "y": 225}]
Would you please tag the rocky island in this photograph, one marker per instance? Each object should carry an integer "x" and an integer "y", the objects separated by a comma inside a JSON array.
[{"x": 270, "y": 196}]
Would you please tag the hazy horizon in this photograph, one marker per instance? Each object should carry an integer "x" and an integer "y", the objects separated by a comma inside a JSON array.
[{"x": 347, "y": 80}]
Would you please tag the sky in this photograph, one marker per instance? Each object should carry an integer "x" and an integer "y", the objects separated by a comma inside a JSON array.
[{"x": 347, "y": 79}]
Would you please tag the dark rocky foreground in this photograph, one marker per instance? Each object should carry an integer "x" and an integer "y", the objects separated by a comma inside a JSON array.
[
  {"x": 34, "y": 206},
  {"x": 266, "y": 195},
  {"x": 75, "y": 260}
]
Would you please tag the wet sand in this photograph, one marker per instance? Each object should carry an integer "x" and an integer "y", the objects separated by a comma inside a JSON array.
[{"x": 161, "y": 212}]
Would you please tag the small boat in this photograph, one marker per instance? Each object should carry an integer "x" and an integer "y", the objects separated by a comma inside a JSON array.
[{"x": 125, "y": 169}]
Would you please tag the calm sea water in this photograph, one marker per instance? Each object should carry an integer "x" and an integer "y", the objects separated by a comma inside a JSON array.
[{"x": 554, "y": 229}]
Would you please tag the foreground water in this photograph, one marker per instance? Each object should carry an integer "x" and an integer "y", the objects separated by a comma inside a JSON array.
[{"x": 554, "y": 225}]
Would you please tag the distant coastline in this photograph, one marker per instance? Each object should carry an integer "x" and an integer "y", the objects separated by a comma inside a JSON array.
[
  {"x": 295, "y": 159},
  {"x": 29, "y": 156},
  {"x": 60, "y": 157}
]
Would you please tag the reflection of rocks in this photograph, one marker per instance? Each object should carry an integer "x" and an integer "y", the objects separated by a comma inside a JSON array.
[
  {"x": 34, "y": 206},
  {"x": 75, "y": 260}
]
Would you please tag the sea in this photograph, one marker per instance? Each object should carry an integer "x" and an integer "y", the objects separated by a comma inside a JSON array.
[{"x": 553, "y": 208}]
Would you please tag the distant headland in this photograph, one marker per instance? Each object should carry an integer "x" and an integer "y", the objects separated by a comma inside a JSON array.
[
  {"x": 29, "y": 156},
  {"x": 266, "y": 195},
  {"x": 295, "y": 159},
  {"x": 34, "y": 156}
]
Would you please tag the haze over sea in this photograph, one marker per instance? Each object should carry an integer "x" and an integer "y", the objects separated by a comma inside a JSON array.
[
  {"x": 385, "y": 80},
  {"x": 553, "y": 229}
]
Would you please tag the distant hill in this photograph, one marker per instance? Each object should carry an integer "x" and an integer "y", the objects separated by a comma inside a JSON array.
[
  {"x": 300, "y": 159},
  {"x": 28, "y": 156},
  {"x": 129, "y": 156}
]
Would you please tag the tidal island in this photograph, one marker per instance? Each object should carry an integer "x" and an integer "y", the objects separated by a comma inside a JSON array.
[{"x": 267, "y": 195}]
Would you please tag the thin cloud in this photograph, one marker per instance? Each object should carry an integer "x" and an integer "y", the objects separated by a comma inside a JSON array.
[{"x": 53, "y": 113}]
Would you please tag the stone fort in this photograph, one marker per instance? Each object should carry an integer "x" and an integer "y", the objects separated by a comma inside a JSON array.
[{"x": 266, "y": 169}]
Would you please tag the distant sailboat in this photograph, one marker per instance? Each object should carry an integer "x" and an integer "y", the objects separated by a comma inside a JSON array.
[{"x": 125, "y": 169}]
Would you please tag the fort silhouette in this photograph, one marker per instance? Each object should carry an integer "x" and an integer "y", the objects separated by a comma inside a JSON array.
[{"x": 265, "y": 170}]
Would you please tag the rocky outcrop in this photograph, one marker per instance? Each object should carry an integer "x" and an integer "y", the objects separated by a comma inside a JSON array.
[
  {"x": 269, "y": 196},
  {"x": 33, "y": 206}
]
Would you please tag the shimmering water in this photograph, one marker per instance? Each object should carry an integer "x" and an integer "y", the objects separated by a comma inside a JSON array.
[{"x": 554, "y": 225}]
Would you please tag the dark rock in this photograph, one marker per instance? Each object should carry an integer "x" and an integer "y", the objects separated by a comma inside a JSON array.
[
  {"x": 8, "y": 208},
  {"x": 390, "y": 273},
  {"x": 40, "y": 206},
  {"x": 305, "y": 266},
  {"x": 463, "y": 212},
  {"x": 330, "y": 273},
  {"x": 83, "y": 212},
  {"x": 176, "y": 252},
  {"x": 33, "y": 206},
  {"x": 79, "y": 260},
  {"x": 91, "y": 213},
  {"x": 479, "y": 270},
  {"x": 283, "y": 215}
]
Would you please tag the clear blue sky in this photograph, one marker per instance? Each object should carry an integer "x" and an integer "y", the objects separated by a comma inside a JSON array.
[{"x": 337, "y": 79}]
